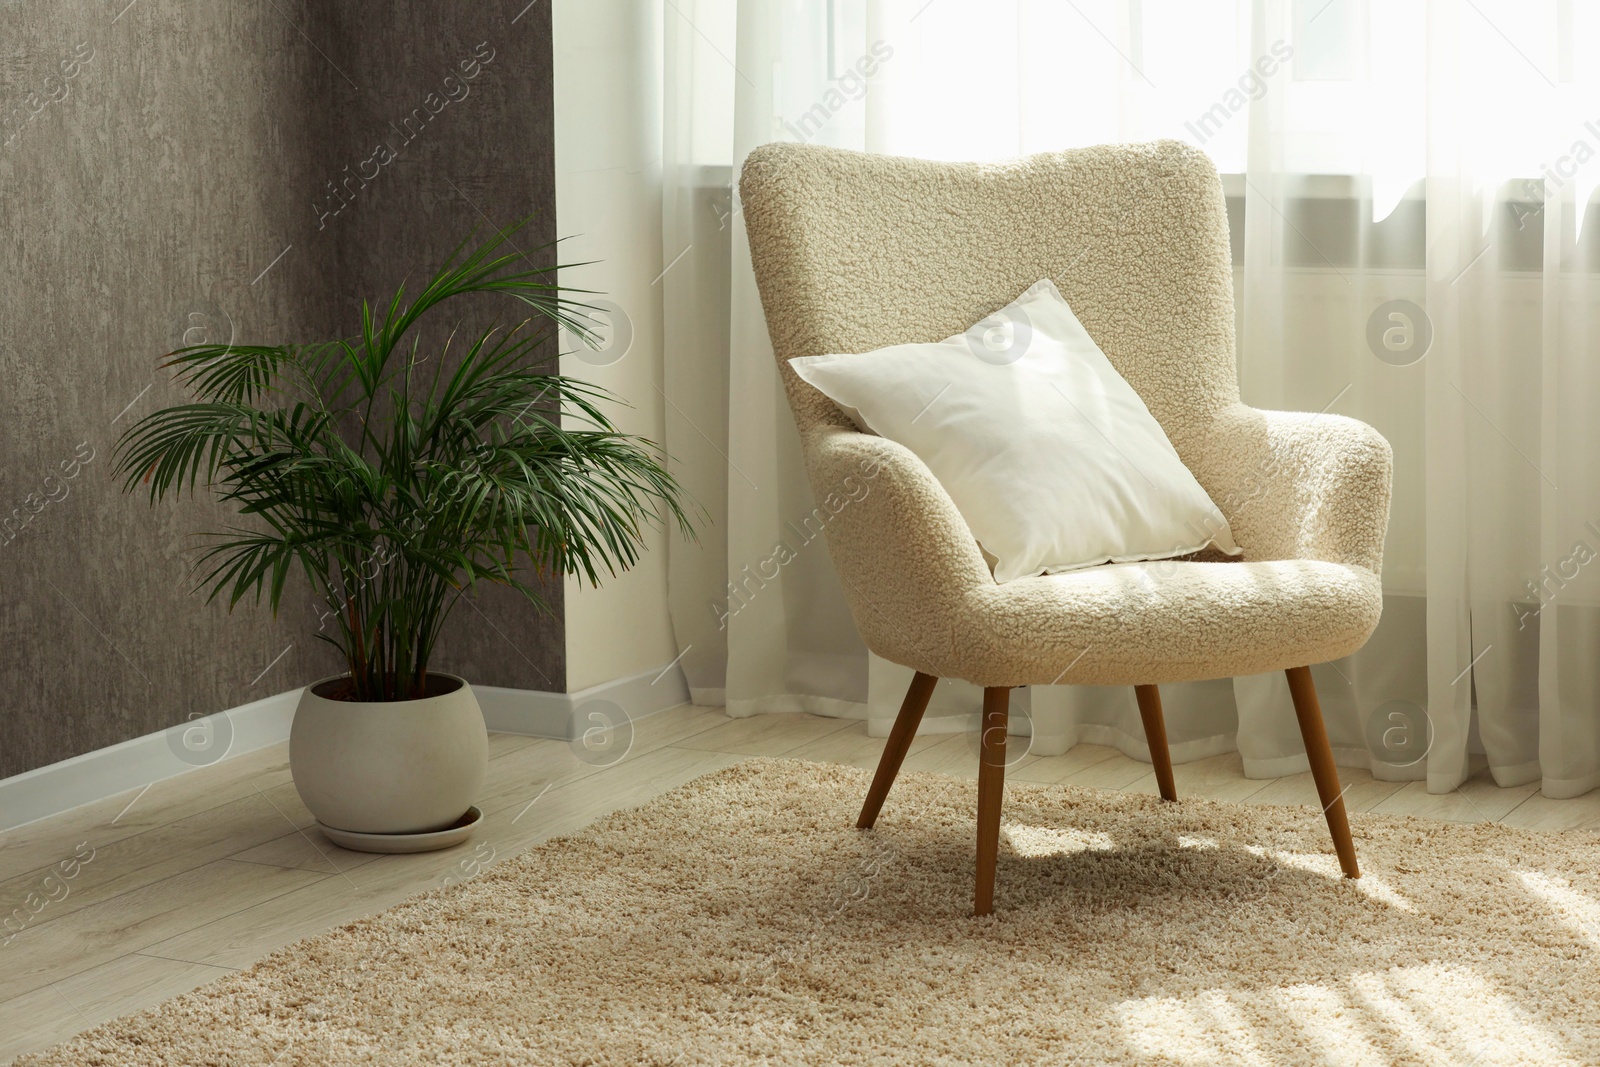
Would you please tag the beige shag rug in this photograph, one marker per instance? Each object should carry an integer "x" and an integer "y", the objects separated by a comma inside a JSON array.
[{"x": 742, "y": 920}]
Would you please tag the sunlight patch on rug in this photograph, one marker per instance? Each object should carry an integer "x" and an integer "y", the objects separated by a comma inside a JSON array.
[
  {"x": 1439, "y": 1016},
  {"x": 1328, "y": 866},
  {"x": 1045, "y": 841},
  {"x": 1578, "y": 910}
]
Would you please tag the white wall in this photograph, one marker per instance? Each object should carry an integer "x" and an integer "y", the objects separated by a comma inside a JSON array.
[{"x": 608, "y": 201}]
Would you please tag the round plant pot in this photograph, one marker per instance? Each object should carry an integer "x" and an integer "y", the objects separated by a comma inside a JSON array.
[{"x": 402, "y": 767}]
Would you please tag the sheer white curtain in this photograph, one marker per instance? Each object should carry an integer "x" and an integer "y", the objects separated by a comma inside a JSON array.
[{"x": 1408, "y": 183}]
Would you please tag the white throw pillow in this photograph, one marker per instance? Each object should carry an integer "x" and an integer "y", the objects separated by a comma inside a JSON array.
[{"x": 1047, "y": 451}]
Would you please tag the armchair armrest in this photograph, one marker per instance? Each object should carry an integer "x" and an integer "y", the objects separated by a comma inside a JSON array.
[
  {"x": 904, "y": 555},
  {"x": 1300, "y": 486}
]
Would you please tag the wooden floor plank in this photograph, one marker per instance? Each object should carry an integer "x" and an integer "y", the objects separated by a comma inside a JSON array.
[
  {"x": 1361, "y": 791},
  {"x": 136, "y": 811},
  {"x": 1476, "y": 800},
  {"x": 1215, "y": 778},
  {"x": 957, "y": 754},
  {"x": 1540, "y": 812},
  {"x": 128, "y": 863},
  {"x": 139, "y": 919},
  {"x": 763, "y": 735},
  {"x": 135, "y": 981},
  {"x": 305, "y": 849},
  {"x": 1115, "y": 772},
  {"x": 95, "y": 995},
  {"x": 1048, "y": 770},
  {"x": 38, "y": 1020},
  {"x": 852, "y": 747}
]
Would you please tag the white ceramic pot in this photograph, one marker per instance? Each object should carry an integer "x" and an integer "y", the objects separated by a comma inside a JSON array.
[{"x": 401, "y": 767}]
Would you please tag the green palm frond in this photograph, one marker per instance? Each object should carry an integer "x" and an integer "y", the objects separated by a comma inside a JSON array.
[{"x": 394, "y": 495}]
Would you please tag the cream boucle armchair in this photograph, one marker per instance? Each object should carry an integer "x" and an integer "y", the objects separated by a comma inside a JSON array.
[{"x": 854, "y": 252}]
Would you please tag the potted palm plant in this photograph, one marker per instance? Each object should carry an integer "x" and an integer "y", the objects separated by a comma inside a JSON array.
[{"x": 395, "y": 477}]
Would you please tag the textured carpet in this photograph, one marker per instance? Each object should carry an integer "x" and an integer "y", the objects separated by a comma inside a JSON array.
[{"x": 740, "y": 919}]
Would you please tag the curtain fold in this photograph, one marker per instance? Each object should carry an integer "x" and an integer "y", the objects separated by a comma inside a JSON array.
[
  {"x": 1408, "y": 184},
  {"x": 696, "y": 232}
]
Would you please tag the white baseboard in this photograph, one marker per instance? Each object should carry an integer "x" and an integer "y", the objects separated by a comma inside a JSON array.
[
  {"x": 133, "y": 764},
  {"x": 139, "y": 761},
  {"x": 565, "y": 716}
]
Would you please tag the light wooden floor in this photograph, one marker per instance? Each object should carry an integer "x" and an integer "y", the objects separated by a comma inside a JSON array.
[{"x": 200, "y": 875}]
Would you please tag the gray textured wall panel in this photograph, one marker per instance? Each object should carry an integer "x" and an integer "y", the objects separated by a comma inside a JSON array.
[{"x": 161, "y": 171}]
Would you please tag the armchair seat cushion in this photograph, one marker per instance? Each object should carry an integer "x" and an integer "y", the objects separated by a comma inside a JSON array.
[{"x": 1143, "y": 623}]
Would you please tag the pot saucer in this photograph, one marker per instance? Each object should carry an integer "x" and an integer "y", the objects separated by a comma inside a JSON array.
[{"x": 395, "y": 843}]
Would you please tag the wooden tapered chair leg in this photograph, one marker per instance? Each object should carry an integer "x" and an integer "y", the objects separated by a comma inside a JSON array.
[
  {"x": 1155, "y": 734},
  {"x": 991, "y": 791},
  {"x": 1320, "y": 754},
  {"x": 899, "y": 743}
]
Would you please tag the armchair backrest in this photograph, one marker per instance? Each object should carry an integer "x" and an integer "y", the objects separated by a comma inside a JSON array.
[{"x": 854, "y": 251}]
